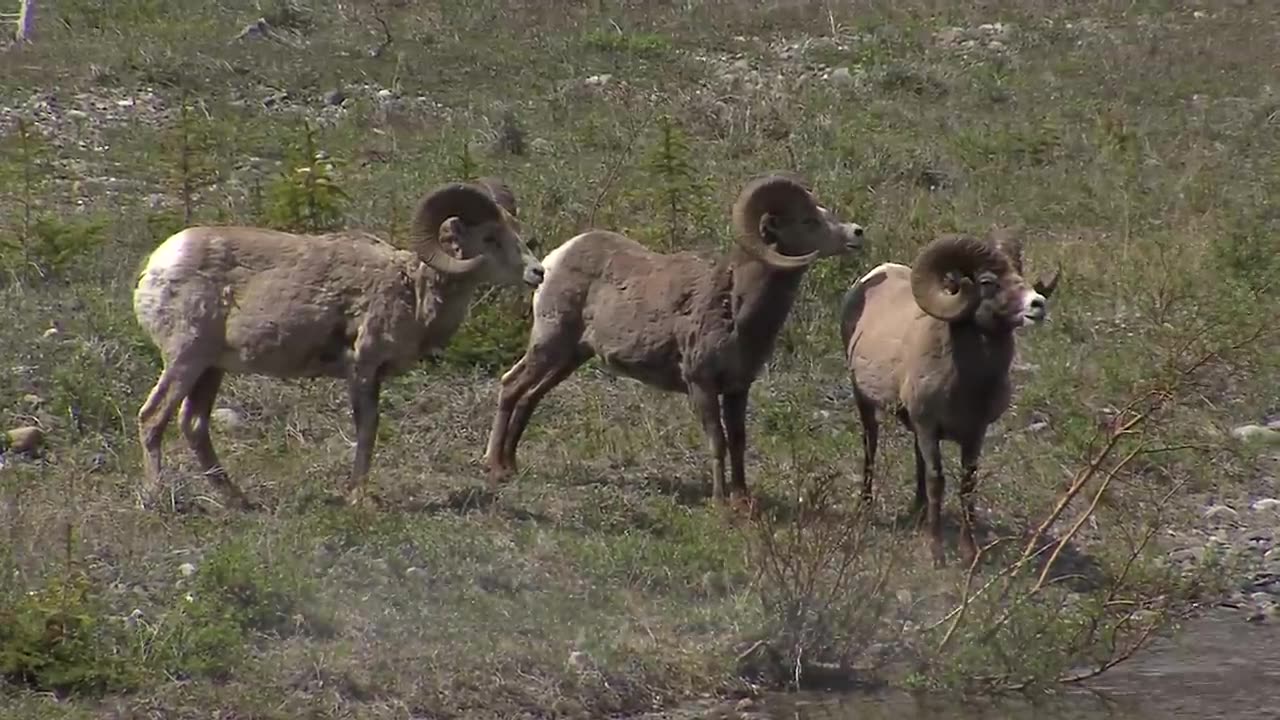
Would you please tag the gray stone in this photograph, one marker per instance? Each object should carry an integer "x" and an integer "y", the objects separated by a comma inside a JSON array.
[
  {"x": 1265, "y": 504},
  {"x": 334, "y": 97},
  {"x": 1256, "y": 433},
  {"x": 228, "y": 418},
  {"x": 842, "y": 76},
  {"x": 1219, "y": 510}
]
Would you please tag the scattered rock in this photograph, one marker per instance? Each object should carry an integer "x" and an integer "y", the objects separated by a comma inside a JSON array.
[
  {"x": 841, "y": 76},
  {"x": 1271, "y": 504},
  {"x": 255, "y": 30},
  {"x": 228, "y": 418},
  {"x": 1256, "y": 433},
  {"x": 25, "y": 440},
  {"x": 598, "y": 80},
  {"x": 1219, "y": 510},
  {"x": 334, "y": 98},
  {"x": 186, "y": 569}
]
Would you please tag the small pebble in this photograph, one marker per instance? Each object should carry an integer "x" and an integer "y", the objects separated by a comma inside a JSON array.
[
  {"x": 228, "y": 418},
  {"x": 842, "y": 76},
  {"x": 25, "y": 439},
  {"x": 186, "y": 569}
]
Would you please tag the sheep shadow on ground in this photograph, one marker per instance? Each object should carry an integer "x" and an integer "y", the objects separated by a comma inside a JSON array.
[{"x": 466, "y": 500}]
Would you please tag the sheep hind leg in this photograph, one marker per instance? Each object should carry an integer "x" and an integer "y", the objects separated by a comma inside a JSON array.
[
  {"x": 970, "y": 450},
  {"x": 917, "y": 512},
  {"x": 707, "y": 404},
  {"x": 870, "y": 440},
  {"x": 194, "y": 421},
  {"x": 515, "y": 384},
  {"x": 173, "y": 386},
  {"x": 542, "y": 378}
]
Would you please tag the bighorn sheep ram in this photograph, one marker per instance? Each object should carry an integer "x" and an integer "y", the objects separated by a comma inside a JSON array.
[
  {"x": 218, "y": 300},
  {"x": 678, "y": 322},
  {"x": 933, "y": 344}
]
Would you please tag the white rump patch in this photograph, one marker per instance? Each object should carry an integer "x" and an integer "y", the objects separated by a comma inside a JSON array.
[
  {"x": 883, "y": 267},
  {"x": 170, "y": 253},
  {"x": 549, "y": 265},
  {"x": 151, "y": 295}
]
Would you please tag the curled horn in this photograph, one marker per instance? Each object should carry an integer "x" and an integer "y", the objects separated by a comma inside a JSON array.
[
  {"x": 470, "y": 204},
  {"x": 960, "y": 254},
  {"x": 1009, "y": 242},
  {"x": 501, "y": 193},
  {"x": 769, "y": 194}
]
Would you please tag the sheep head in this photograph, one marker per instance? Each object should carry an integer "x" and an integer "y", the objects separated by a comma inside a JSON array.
[
  {"x": 777, "y": 220},
  {"x": 958, "y": 278},
  {"x": 486, "y": 234},
  {"x": 1009, "y": 241}
]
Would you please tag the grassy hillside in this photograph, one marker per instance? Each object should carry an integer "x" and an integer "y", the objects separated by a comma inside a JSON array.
[{"x": 1134, "y": 141}]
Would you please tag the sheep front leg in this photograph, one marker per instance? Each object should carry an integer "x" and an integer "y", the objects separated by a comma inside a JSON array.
[
  {"x": 707, "y": 404},
  {"x": 363, "y": 388},
  {"x": 970, "y": 450},
  {"x": 930, "y": 452},
  {"x": 735, "y": 426}
]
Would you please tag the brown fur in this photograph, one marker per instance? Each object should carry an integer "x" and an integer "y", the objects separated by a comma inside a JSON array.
[
  {"x": 945, "y": 380},
  {"x": 218, "y": 300},
  {"x": 678, "y": 322}
]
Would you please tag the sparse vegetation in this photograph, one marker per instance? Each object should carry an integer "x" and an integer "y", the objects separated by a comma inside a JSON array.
[{"x": 1133, "y": 141}]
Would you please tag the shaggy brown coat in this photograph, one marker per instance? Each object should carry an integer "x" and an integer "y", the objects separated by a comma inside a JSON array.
[
  {"x": 679, "y": 322},
  {"x": 218, "y": 300},
  {"x": 933, "y": 345}
]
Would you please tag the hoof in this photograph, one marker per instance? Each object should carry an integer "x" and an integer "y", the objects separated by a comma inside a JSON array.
[
  {"x": 361, "y": 497},
  {"x": 244, "y": 504},
  {"x": 499, "y": 475},
  {"x": 745, "y": 504}
]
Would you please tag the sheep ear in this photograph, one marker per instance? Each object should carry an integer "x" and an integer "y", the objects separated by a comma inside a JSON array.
[
  {"x": 1046, "y": 284},
  {"x": 453, "y": 227},
  {"x": 768, "y": 225}
]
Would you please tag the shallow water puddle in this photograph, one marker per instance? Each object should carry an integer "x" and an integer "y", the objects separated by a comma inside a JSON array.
[{"x": 1216, "y": 666}]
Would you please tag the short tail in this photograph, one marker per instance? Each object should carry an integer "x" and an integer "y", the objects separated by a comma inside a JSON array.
[{"x": 850, "y": 312}]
